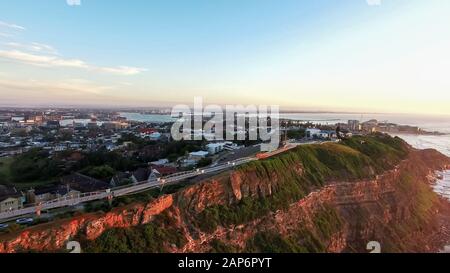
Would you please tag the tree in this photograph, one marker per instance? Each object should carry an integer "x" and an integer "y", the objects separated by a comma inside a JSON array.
[
  {"x": 204, "y": 162},
  {"x": 101, "y": 172}
]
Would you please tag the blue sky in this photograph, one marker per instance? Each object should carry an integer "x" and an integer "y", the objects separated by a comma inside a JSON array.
[{"x": 304, "y": 55}]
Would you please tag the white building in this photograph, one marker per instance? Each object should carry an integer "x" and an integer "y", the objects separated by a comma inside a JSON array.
[
  {"x": 230, "y": 146},
  {"x": 160, "y": 162},
  {"x": 197, "y": 156},
  {"x": 214, "y": 148},
  {"x": 312, "y": 132},
  {"x": 155, "y": 136}
]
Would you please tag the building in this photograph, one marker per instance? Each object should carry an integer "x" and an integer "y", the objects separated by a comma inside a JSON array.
[
  {"x": 164, "y": 170},
  {"x": 312, "y": 132},
  {"x": 10, "y": 199},
  {"x": 197, "y": 156},
  {"x": 214, "y": 148},
  {"x": 230, "y": 146},
  {"x": 141, "y": 175},
  {"x": 155, "y": 136},
  {"x": 120, "y": 179},
  {"x": 160, "y": 162},
  {"x": 52, "y": 124},
  {"x": 83, "y": 183},
  {"x": 115, "y": 125},
  {"x": 161, "y": 171},
  {"x": 10, "y": 203},
  {"x": 50, "y": 193},
  {"x": 370, "y": 126},
  {"x": 327, "y": 134},
  {"x": 354, "y": 125}
]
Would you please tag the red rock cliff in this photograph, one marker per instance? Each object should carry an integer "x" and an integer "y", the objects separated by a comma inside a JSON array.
[{"x": 379, "y": 208}]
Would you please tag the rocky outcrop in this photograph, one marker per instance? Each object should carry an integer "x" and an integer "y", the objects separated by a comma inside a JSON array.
[{"x": 54, "y": 236}]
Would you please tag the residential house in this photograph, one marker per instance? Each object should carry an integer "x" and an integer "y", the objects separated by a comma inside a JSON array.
[
  {"x": 41, "y": 195},
  {"x": 120, "y": 179},
  {"x": 10, "y": 199},
  {"x": 141, "y": 175},
  {"x": 197, "y": 156},
  {"x": 160, "y": 162},
  {"x": 83, "y": 183}
]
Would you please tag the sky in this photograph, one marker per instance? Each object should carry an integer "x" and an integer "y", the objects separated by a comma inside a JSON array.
[{"x": 305, "y": 55}]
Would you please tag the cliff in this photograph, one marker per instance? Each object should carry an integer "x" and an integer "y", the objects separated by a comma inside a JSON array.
[{"x": 316, "y": 198}]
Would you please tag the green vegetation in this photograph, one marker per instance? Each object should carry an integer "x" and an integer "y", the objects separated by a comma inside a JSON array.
[
  {"x": 34, "y": 165},
  {"x": 296, "y": 134},
  {"x": 326, "y": 223},
  {"x": 420, "y": 214},
  {"x": 204, "y": 162},
  {"x": 37, "y": 168},
  {"x": 270, "y": 242},
  {"x": 347, "y": 161},
  {"x": 174, "y": 150},
  {"x": 106, "y": 158},
  {"x": 384, "y": 151},
  {"x": 155, "y": 237},
  {"x": 218, "y": 246},
  {"x": 100, "y": 172},
  {"x": 5, "y": 173}
]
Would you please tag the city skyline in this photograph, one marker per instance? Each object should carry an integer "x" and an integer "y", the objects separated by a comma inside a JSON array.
[{"x": 302, "y": 55}]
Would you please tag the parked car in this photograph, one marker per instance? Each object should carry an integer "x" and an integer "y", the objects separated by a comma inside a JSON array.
[
  {"x": 3, "y": 226},
  {"x": 25, "y": 221}
]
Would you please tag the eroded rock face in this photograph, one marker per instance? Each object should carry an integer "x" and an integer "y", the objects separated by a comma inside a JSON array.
[
  {"x": 366, "y": 207},
  {"x": 54, "y": 236}
]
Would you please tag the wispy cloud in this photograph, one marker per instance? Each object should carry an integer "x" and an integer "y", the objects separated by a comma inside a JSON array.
[
  {"x": 45, "y": 60},
  {"x": 73, "y": 2},
  {"x": 36, "y": 47},
  {"x": 121, "y": 70},
  {"x": 63, "y": 87},
  {"x": 44, "y": 55},
  {"x": 5, "y": 34},
  {"x": 11, "y": 26}
]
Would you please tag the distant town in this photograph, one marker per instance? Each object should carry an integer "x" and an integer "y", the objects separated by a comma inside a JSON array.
[{"x": 56, "y": 153}]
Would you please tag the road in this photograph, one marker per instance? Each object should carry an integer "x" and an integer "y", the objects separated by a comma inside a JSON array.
[{"x": 117, "y": 192}]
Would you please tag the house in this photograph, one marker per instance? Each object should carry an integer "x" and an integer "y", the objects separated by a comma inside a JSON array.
[
  {"x": 312, "y": 132},
  {"x": 121, "y": 179},
  {"x": 187, "y": 163},
  {"x": 141, "y": 175},
  {"x": 164, "y": 170},
  {"x": 147, "y": 131},
  {"x": 160, "y": 162},
  {"x": 83, "y": 183},
  {"x": 197, "y": 156},
  {"x": 10, "y": 199},
  {"x": 327, "y": 134},
  {"x": 41, "y": 195},
  {"x": 10, "y": 203}
]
